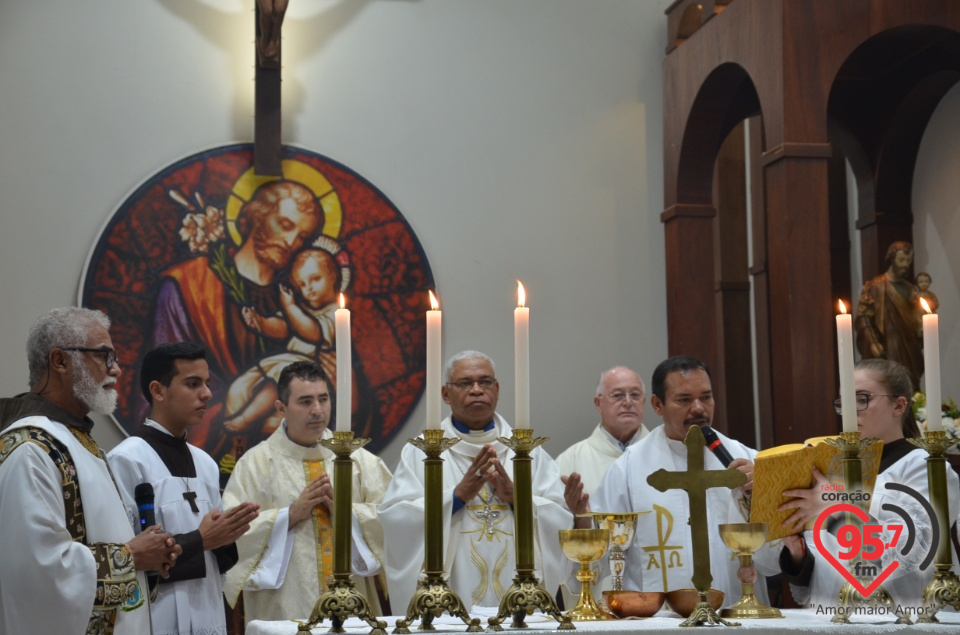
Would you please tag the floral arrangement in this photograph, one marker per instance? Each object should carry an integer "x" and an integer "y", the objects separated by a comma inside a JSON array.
[{"x": 949, "y": 414}]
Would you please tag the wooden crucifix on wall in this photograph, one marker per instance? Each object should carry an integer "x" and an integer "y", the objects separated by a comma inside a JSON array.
[{"x": 266, "y": 126}]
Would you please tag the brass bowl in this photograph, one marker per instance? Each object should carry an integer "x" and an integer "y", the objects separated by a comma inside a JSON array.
[
  {"x": 683, "y": 601},
  {"x": 634, "y": 603}
]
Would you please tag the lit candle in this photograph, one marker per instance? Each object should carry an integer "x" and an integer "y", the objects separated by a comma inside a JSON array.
[
  {"x": 931, "y": 366},
  {"x": 434, "y": 321},
  {"x": 344, "y": 369},
  {"x": 521, "y": 358},
  {"x": 848, "y": 393}
]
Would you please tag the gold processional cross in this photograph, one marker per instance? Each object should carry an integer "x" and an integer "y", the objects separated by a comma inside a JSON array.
[{"x": 696, "y": 481}]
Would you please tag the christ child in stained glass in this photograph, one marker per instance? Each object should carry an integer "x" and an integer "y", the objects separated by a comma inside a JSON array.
[{"x": 310, "y": 327}]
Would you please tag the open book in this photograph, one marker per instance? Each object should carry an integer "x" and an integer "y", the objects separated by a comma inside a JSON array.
[{"x": 791, "y": 466}]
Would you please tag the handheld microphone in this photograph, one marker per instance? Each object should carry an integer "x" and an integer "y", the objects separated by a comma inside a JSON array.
[
  {"x": 143, "y": 495},
  {"x": 716, "y": 445}
]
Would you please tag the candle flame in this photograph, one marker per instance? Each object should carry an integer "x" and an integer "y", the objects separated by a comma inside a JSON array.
[
  {"x": 926, "y": 307},
  {"x": 843, "y": 307},
  {"x": 343, "y": 301},
  {"x": 434, "y": 305},
  {"x": 521, "y": 294}
]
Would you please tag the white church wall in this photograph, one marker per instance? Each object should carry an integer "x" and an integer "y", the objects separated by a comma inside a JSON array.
[{"x": 521, "y": 140}]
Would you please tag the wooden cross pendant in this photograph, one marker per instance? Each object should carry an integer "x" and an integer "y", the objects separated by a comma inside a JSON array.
[{"x": 191, "y": 497}]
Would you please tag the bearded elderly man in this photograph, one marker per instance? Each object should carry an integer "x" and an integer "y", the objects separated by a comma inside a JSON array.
[
  {"x": 70, "y": 561},
  {"x": 661, "y": 557},
  {"x": 478, "y": 532},
  {"x": 287, "y": 556}
]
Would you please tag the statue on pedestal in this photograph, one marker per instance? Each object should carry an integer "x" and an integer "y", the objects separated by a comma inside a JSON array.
[{"x": 887, "y": 322}]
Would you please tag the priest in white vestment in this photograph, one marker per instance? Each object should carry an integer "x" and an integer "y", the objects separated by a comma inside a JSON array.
[
  {"x": 478, "y": 532},
  {"x": 175, "y": 378},
  {"x": 287, "y": 555},
  {"x": 70, "y": 560},
  {"x": 620, "y": 399},
  {"x": 661, "y": 556}
]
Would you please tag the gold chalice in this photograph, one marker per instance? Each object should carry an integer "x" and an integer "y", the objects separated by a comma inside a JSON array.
[
  {"x": 745, "y": 539},
  {"x": 621, "y": 527},
  {"x": 585, "y": 546}
]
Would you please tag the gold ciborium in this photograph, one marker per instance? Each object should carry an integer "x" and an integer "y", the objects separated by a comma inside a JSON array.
[
  {"x": 585, "y": 546},
  {"x": 621, "y": 528},
  {"x": 745, "y": 539}
]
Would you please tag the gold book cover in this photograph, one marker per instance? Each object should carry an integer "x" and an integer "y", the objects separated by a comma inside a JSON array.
[{"x": 791, "y": 466}]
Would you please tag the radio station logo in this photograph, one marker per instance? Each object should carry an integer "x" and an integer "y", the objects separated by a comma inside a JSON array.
[{"x": 864, "y": 541}]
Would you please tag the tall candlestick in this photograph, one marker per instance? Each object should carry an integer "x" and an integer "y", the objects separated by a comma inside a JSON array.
[
  {"x": 344, "y": 368},
  {"x": 931, "y": 366},
  {"x": 521, "y": 358},
  {"x": 848, "y": 393},
  {"x": 434, "y": 322}
]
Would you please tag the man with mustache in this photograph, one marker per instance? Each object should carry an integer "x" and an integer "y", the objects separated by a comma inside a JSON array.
[
  {"x": 887, "y": 323},
  {"x": 661, "y": 557},
  {"x": 175, "y": 381},
  {"x": 477, "y": 498},
  {"x": 70, "y": 562},
  {"x": 287, "y": 555}
]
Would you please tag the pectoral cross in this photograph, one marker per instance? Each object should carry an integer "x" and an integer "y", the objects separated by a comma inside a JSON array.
[
  {"x": 489, "y": 516},
  {"x": 696, "y": 481},
  {"x": 191, "y": 497}
]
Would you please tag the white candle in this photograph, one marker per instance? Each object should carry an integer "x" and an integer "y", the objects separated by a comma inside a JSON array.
[
  {"x": 848, "y": 394},
  {"x": 344, "y": 368},
  {"x": 521, "y": 358},
  {"x": 931, "y": 367},
  {"x": 434, "y": 322}
]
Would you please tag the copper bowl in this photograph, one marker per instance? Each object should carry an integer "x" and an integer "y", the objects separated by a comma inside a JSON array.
[
  {"x": 683, "y": 601},
  {"x": 633, "y": 603}
]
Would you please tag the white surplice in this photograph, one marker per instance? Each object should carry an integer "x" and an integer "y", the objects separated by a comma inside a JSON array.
[
  {"x": 183, "y": 607},
  {"x": 905, "y": 584},
  {"x": 592, "y": 457},
  {"x": 479, "y": 546},
  {"x": 48, "y": 581},
  {"x": 279, "y": 570},
  {"x": 662, "y": 553}
]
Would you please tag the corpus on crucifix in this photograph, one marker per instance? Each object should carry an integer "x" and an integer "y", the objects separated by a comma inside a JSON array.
[
  {"x": 696, "y": 481},
  {"x": 266, "y": 123}
]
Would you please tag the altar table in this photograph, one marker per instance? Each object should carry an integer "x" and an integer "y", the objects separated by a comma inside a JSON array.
[{"x": 795, "y": 622}]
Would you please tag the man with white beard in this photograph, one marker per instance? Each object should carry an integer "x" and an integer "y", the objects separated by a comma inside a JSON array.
[{"x": 70, "y": 562}]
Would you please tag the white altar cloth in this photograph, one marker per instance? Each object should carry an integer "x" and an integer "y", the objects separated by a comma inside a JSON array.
[{"x": 799, "y": 622}]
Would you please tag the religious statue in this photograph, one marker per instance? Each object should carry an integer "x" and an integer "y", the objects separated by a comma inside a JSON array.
[
  {"x": 923, "y": 283},
  {"x": 887, "y": 320},
  {"x": 271, "y": 19}
]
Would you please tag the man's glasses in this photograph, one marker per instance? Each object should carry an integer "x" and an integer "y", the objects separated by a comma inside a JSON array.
[
  {"x": 618, "y": 396},
  {"x": 863, "y": 401},
  {"x": 109, "y": 354},
  {"x": 485, "y": 383}
]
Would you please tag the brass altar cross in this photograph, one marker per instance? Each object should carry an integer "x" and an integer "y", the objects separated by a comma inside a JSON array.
[{"x": 696, "y": 481}]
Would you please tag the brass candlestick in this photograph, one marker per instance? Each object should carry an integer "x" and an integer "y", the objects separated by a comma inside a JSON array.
[
  {"x": 745, "y": 539},
  {"x": 526, "y": 593},
  {"x": 944, "y": 588},
  {"x": 341, "y": 599},
  {"x": 851, "y": 444},
  {"x": 585, "y": 546},
  {"x": 433, "y": 597}
]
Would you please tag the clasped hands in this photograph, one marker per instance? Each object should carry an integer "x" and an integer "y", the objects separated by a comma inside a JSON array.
[{"x": 485, "y": 468}]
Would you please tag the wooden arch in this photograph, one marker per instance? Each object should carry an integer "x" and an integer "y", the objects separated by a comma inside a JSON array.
[{"x": 818, "y": 82}]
